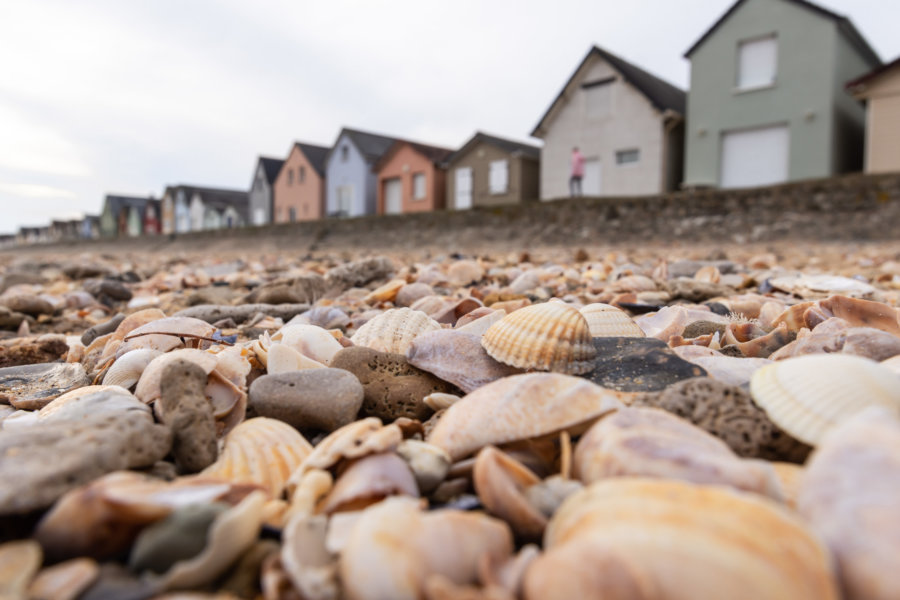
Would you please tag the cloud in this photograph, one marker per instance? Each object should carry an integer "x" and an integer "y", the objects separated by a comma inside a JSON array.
[
  {"x": 35, "y": 147},
  {"x": 35, "y": 190}
]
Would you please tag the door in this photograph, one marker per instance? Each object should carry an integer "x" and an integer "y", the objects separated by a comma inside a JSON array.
[
  {"x": 590, "y": 183},
  {"x": 345, "y": 200},
  {"x": 393, "y": 196},
  {"x": 753, "y": 157},
  {"x": 463, "y": 188}
]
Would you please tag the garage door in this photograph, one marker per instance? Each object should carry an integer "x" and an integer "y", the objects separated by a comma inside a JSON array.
[
  {"x": 393, "y": 196},
  {"x": 754, "y": 157}
]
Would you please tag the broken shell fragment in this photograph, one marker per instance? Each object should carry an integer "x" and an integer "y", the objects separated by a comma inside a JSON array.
[
  {"x": 370, "y": 480},
  {"x": 500, "y": 482}
]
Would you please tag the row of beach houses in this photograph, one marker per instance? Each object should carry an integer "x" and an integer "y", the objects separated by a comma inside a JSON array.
[{"x": 780, "y": 90}]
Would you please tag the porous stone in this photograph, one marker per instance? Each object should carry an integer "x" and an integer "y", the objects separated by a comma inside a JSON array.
[
  {"x": 638, "y": 365},
  {"x": 698, "y": 328},
  {"x": 189, "y": 414},
  {"x": 31, "y": 387},
  {"x": 31, "y": 350},
  {"x": 392, "y": 387},
  {"x": 41, "y": 463},
  {"x": 301, "y": 289},
  {"x": 323, "y": 399},
  {"x": 212, "y": 313},
  {"x": 359, "y": 272},
  {"x": 30, "y": 304},
  {"x": 729, "y": 413},
  {"x": 457, "y": 358}
]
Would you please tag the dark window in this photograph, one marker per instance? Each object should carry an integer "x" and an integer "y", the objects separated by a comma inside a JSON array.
[
  {"x": 345, "y": 153},
  {"x": 293, "y": 214},
  {"x": 290, "y": 177},
  {"x": 301, "y": 174},
  {"x": 624, "y": 157}
]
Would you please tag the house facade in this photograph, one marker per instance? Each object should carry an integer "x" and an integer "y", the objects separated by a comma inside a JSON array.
[
  {"x": 122, "y": 215},
  {"x": 627, "y": 123},
  {"x": 186, "y": 208},
  {"x": 350, "y": 182},
  {"x": 767, "y": 102},
  {"x": 412, "y": 177},
  {"x": 880, "y": 90},
  {"x": 490, "y": 171},
  {"x": 300, "y": 186},
  {"x": 262, "y": 189}
]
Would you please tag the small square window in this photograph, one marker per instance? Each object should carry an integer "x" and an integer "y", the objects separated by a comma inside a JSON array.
[
  {"x": 419, "y": 186},
  {"x": 345, "y": 153},
  {"x": 757, "y": 63},
  {"x": 499, "y": 176},
  {"x": 301, "y": 174},
  {"x": 625, "y": 157}
]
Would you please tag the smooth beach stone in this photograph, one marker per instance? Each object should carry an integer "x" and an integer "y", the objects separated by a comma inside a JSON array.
[
  {"x": 458, "y": 358},
  {"x": 101, "y": 329},
  {"x": 32, "y": 387},
  {"x": 638, "y": 365},
  {"x": 324, "y": 399},
  {"x": 110, "y": 288},
  {"x": 30, "y": 350},
  {"x": 10, "y": 319},
  {"x": 189, "y": 414},
  {"x": 30, "y": 304},
  {"x": 242, "y": 312}
]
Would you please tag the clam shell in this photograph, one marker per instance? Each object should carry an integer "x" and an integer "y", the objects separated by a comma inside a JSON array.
[
  {"x": 148, "y": 389},
  {"x": 370, "y": 480},
  {"x": 282, "y": 358},
  {"x": 655, "y": 538},
  {"x": 187, "y": 326},
  {"x": 808, "y": 395},
  {"x": 521, "y": 407},
  {"x": 127, "y": 369},
  {"x": 500, "y": 482},
  {"x": 260, "y": 451},
  {"x": 309, "y": 340},
  {"x": 608, "y": 321},
  {"x": 552, "y": 336},
  {"x": 394, "y": 330}
]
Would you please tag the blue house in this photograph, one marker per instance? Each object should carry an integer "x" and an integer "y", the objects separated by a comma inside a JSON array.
[{"x": 350, "y": 178}]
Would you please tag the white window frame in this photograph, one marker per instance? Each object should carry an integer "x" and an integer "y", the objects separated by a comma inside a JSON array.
[
  {"x": 758, "y": 48},
  {"x": 498, "y": 184},
  {"x": 419, "y": 188},
  {"x": 621, "y": 155}
]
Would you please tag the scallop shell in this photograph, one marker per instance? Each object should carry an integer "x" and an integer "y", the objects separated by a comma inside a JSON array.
[
  {"x": 261, "y": 451},
  {"x": 552, "y": 336},
  {"x": 808, "y": 395},
  {"x": 394, "y": 330},
  {"x": 127, "y": 369},
  {"x": 608, "y": 321}
]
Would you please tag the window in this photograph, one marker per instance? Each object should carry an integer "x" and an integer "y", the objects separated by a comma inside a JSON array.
[
  {"x": 290, "y": 177},
  {"x": 626, "y": 157},
  {"x": 293, "y": 214},
  {"x": 419, "y": 186},
  {"x": 598, "y": 100},
  {"x": 757, "y": 63},
  {"x": 499, "y": 177},
  {"x": 259, "y": 183},
  {"x": 301, "y": 174},
  {"x": 345, "y": 153}
]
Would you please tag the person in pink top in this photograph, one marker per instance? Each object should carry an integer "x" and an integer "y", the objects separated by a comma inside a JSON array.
[{"x": 577, "y": 172}]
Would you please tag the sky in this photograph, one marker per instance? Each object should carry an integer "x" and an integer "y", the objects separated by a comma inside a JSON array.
[{"x": 106, "y": 96}]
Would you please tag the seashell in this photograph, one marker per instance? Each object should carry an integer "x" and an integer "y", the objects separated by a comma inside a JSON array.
[
  {"x": 808, "y": 395},
  {"x": 65, "y": 581},
  {"x": 311, "y": 567},
  {"x": 812, "y": 285},
  {"x": 500, "y": 482},
  {"x": 849, "y": 493},
  {"x": 457, "y": 358},
  {"x": 634, "y": 283},
  {"x": 548, "y": 495},
  {"x": 308, "y": 492},
  {"x": 708, "y": 274},
  {"x": 429, "y": 464},
  {"x": 326, "y": 317},
  {"x": 762, "y": 346},
  {"x": 552, "y": 336},
  {"x": 608, "y": 321},
  {"x": 386, "y": 292},
  {"x": 622, "y": 533},
  {"x": 282, "y": 358},
  {"x": 31, "y": 387},
  {"x": 789, "y": 475},
  {"x": 892, "y": 363},
  {"x": 19, "y": 561},
  {"x": 768, "y": 312},
  {"x": 158, "y": 334},
  {"x": 648, "y": 442},
  {"x": 148, "y": 387},
  {"x": 525, "y": 282},
  {"x": 465, "y": 272},
  {"x": 521, "y": 407},
  {"x": 479, "y": 320},
  {"x": 260, "y": 451},
  {"x": 309, "y": 340},
  {"x": 127, "y": 369},
  {"x": 395, "y": 546},
  {"x": 409, "y": 294},
  {"x": 394, "y": 330},
  {"x": 732, "y": 370},
  {"x": 439, "y": 400},
  {"x": 863, "y": 313},
  {"x": 804, "y": 314},
  {"x": 370, "y": 480}
]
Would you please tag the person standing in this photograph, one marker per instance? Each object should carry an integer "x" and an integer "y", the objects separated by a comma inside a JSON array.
[{"x": 577, "y": 172}]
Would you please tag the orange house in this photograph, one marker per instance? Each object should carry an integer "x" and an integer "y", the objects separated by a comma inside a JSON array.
[
  {"x": 411, "y": 178},
  {"x": 300, "y": 185}
]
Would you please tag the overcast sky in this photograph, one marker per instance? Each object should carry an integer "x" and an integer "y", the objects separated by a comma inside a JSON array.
[{"x": 128, "y": 96}]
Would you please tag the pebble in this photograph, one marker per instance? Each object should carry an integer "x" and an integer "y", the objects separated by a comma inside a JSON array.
[
  {"x": 189, "y": 414},
  {"x": 299, "y": 290},
  {"x": 410, "y": 293},
  {"x": 30, "y": 304},
  {"x": 32, "y": 387},
  {"x": 638, "y": 365},
  {"x": 178, "y": 537},
  {"x": 27, "y": 351},
  {"x": 392, "y": 387},
  {"x": 457, "y": 358},
  {"x": 693, "y": 290},
  {"x": 359, "y": 272},
  {"x": 242, "y": 312},
  {"x": 321, "y": 399},
  {"x": 101, "y": 329},
  {"x": 108, "y": 289},
  {"x": 10, "y": 319}
]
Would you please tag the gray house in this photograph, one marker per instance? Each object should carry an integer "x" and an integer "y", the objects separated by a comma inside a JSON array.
[
  {"x": 351, "y": 182},
  {"x": 262, "y": 189},
  {"x": 767, "y": 102}
]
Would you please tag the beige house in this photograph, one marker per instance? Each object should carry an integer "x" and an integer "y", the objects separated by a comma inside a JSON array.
[
  {"x": 880, "y": 89},
  {"x": 627, "y": 123},
  {"x": 490, "y": 171}
]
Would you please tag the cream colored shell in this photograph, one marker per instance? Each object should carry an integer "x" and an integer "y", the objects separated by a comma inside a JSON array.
[
  {"x": 127, "y": 369},
  {"x": 608, "y": 321},
  {"x": 261, "y": 451},
  {"x": 552, "y": 336},
  {"x": 808, "y": 395},
  {"x": 394, "y": 330}
]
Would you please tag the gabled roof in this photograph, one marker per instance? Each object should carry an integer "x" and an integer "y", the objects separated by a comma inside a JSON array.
[
  {"x": 661, "y": 94},
  {"x": 117, "y": 203},
  {"x": 436, "y": 154},
  {"x": 316, "y": 156},
  {"x": 859, "y": 84},
  {"x": 510, "y": 146},
  {"x": 371, "y": 145},
  {"x": 844, "y": 25},
  {"x": 271, "y": 167}
]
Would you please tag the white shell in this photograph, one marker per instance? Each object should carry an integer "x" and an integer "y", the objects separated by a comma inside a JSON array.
[
  {"x": 127, "y": 369},
  {"x": 283, "y": 359},
  {"x": 309, "y": 340},
  {"x": 394, "y": 330}
]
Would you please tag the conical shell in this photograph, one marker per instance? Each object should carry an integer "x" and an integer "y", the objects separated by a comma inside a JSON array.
[
  {"x": 394, "y": 330},
  {"x": 808, "y": 395},
  {"x": 127, "y": 369},
  {"x": 261, "y": 451},
  {"x": 552, "y": 336},
  {"x": 608, "y": 321}
]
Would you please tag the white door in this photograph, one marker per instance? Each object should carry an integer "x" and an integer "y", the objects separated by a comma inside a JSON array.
[
  {"x": 393, "y": 196},
  {"x": 590, "y": 183},
  {"x": 463, "y": 188},
  {"x": 345, "y": 200},
  {"x": 754, "y": 157}
]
